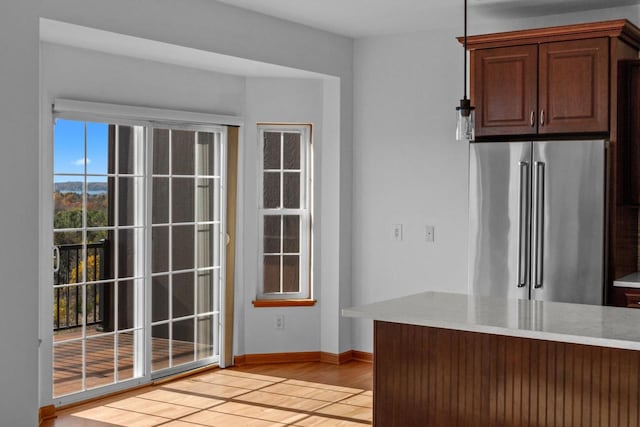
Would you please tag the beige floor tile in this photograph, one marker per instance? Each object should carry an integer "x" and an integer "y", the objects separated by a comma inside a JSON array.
[
  {"x": 233, "y": 380},
  {"x": 120, "y": 417},
  {"x": 182, "y": 424},
  {"x": 307, "y": 392},
  {"x": 228, "y": 398},
  {"x": 252, "y": 376},
  {"x": 206, "y": 389},
  {"x": 281, "y": 401},
  {"x": 217, "y": 419},
  {"x": 182, "y": 398},
  {"x": 359, "y": 400},
  {"x": 152, "y": 407},
  {"x": 261, "y": 412},
  {"x": 318, "y": 421},
  {"x": 347, "y": 411},
  {"x": 324, "y": 386}
]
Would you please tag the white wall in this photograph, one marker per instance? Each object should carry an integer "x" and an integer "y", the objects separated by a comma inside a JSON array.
[
  {"x": 88, "y": 75},
  {"x": 408, "y": 169},
  {"x": 200, "y": 24},
  {"x": 492, "y": 23},
  {"x": 73, "y": 73},
  {"x": 215, "y": 27},
  {"x": 219, "y": 28},
  {"x": 19, "y": 213},
  {"x": 284, "y": 101}
]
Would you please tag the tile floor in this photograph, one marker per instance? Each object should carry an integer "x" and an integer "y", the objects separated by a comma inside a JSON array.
[{"x": 228, "y": 398}]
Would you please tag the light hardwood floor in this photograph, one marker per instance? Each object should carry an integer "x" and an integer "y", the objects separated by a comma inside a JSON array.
[{"x": 297, "y": 394}]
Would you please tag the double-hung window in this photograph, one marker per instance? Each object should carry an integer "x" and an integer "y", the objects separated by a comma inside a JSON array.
[{"x": 284, "y": 212}]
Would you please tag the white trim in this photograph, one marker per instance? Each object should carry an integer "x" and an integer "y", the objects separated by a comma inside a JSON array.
[
  {"x": 146, "y": 363},
  {"x": 87, "y": 110},
  {"x": 45, "y": 379},
  {"x": 140, "y": 267},
  {"x": 239, "y": 273},
  {"x": 219, "y": 326}
]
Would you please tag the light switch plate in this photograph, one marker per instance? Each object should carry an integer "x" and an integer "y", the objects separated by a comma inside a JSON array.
[{"x": 396, "y": 232}]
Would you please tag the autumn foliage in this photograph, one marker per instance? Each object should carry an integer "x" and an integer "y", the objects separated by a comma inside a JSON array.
[{"x": 68, "y": 214}]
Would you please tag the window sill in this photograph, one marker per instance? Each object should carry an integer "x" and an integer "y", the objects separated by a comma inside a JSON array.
[{"x": 283, "y": 303}]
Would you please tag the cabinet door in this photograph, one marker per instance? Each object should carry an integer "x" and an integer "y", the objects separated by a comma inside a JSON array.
[
  {"x": 629, "y": 131},
  {"x": 505, "y": 90},
  {"x": 626, "y": 297},
  {"x": 574, "y": 86}
]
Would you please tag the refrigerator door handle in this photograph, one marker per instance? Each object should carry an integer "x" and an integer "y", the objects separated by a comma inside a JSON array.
[
  {"x": 523, "y": 224},
  {"x": 539, "y": 224}
]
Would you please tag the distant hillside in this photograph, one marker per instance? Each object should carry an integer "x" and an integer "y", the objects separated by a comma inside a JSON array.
[{"x": 76, "y": 187}]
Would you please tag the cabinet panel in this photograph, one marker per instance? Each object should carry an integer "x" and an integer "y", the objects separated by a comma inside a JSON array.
[
  {"x": 425, "y": 376},
  {"x": 626, "y": 297},
  {"x": 505, "y": 90},
  {"x": 629, "y": 130},
  {"x": 574, "y": 86},
  {"x": 632, "y": 299}
]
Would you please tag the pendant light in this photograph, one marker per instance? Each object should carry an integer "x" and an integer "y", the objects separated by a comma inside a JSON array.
[{"x": 465, "y": 114}]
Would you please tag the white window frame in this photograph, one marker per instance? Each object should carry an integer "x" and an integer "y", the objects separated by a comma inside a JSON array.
[{"x": 305, "y": 211}]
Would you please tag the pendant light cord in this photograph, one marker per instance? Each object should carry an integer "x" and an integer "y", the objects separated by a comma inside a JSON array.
[{"x": 465, "y": 49}]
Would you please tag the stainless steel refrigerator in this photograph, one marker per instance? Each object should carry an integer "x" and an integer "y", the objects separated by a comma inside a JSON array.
[{"x": 536, "y": 220}]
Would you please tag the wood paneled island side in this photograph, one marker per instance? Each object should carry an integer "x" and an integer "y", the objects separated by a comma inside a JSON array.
[{"x": 458, "y": 360}]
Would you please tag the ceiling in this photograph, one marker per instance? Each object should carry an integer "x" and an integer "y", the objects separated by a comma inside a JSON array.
[{"x": 360, "y": 18}]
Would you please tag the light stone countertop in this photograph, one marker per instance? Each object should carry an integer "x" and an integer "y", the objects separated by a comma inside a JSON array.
[
  {"x": 630, "y": 281},
  {"x": 552, "y": 321}
]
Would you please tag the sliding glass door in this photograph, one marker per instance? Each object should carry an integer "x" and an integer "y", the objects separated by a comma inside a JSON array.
[
  {"x": 186, "y": 256},
  {"x": 98, "y": 192},
  {"x": 138, "y": 231}
]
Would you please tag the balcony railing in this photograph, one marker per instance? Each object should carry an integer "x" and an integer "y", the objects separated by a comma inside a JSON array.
[{"x": 67, "y": 300}]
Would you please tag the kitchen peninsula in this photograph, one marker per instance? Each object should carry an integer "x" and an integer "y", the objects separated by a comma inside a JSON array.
[{"x": 443, "y": 359}]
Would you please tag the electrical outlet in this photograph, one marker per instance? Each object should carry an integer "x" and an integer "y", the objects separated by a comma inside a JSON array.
[
  {"x": 429, "y": 235},
  {"x": 279, "y": 321},
  {"x": 396, "y": 232}
]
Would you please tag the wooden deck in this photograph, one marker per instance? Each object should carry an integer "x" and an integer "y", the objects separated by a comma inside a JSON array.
[{"x": 101, "y": 359}]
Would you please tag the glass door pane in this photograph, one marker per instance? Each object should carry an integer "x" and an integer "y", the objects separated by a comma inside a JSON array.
[
  {"x": 186, "y": 255},
  {"x": 98, "y": 193}
]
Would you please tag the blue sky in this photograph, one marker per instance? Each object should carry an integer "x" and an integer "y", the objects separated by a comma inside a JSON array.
[{"x": 68, "y": 153}]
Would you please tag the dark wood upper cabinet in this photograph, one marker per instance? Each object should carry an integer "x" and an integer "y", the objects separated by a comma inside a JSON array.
[
  {"x": 505, "y": 82},
  {"x": 548, "y": 81},
  {"x": 573, "y": 86},
  {"x": 545, "y": 88}
]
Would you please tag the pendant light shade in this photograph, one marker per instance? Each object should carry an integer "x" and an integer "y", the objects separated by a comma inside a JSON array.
[
  {"x": 465, "y": 114},
  {"x": 465, "y": 121}
]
